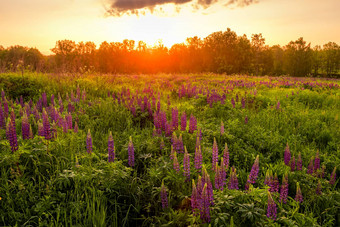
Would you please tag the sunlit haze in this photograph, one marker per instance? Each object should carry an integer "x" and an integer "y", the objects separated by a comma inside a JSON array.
[{"x": 40, "y": 23}]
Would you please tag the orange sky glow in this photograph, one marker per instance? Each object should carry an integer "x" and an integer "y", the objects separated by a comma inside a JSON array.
[{"x": 40, "y": 23}]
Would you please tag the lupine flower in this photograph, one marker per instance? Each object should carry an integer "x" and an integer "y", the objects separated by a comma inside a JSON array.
[
  {"x": 174, "y": 117},
  {"x": 233, "y": 102},
  {"x": 299, "y": 163},
  {"x": 311, "y": 166},
  {"x": 284, "y": 189},
  {"x": 12, "y": 135},
  {"x": 174, "y": 140},
  {"x": 131, "y": 153},
  {"x": 192, "y": 124},
  {"x": 247, "y": 185},
  {"x": 226, "y": 156},
  {"x": 318, "y": 188},
  {"x": 111, "y": 148},
  {"x": 267, "y": 179},
  {"x": 6, "y": 110},
  {"x": 298, "y": 196},
  {"x": 164, "y": 196},
  {"x": 206, "y": 179},
  {"x": 186, "y": 164},
  {"x": 183, "y": 122},
  {"x": 13, "y": 118},
  {"x": 292, "y": 164},
  {"x": 31, "y": 133},
  {"x": 254, "y": 171},
  {"x": 2, "y": 117},
  {"x": 223, "y": 174},
  {"x": 198, "y": 159},
  {"x": 25, "y": 127},
  {"x": 205, "y": 205},
  {"x": 89, "y": 142},
  {"x": 172, "y": 153},
  {"x": 246, "y": 120},
  {"x": 76, "y": 127},
  {"x": 243, "y": 102},
  {"x": 46, "y": 125},
  {"x": 271, "y": 208},
  {"x": 287, "y": 155},
  {"x": 222, "y": 128},
  {"x": 53, "y": 130},
  {"x": 198, "y": 142},
  {"x": 333, "y": 177},
  {"x": 214, "y": 154},
  {"x": 41, "y": 129},
  {"x": 175, "y": 163},
  {"x": 195, "y": 203},
  {"x": 278, "y": 105},
  {"x": 217, "y": 177},
  {"x": 317, "y": 161},
  {"x": 69, "y": 121},
  {"x": 180, "y": 145},
  {"x": 274, "y": 185},
  {"x": 233, "y": 181}
]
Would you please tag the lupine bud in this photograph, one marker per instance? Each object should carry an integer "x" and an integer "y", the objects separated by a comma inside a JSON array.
[
  {"x": 174, "y": 117},
  {"x": 287, "y": 155},
  {"x": 222, "y": 128},
  {"x": 318, "y": 188},
  {"x": 172, "y": 153},
  {"x": 299, "y": 163},
  {"x": 192, "y": 124},
  {"x": 267, "y": 179},
  {"x": 233, "y": 181},
  {"x": 183, "y": 122},
  {"x": 89, "y": 142},
  {"x": 214, "y": 154},
  {"x": 206, "y": 179},
  {"x": 131, "y": 153},
  {"x": 186, "y": 164},
  {"x": 110, "y": 148},
  {"x": 284, "y": 189},
  {"x": 254, "y": 171},
  {"x": 41, "y": 129},
  {"x": 164, "y": 196},
  {"x": 292, "y": 164},
  {"x": 198, "y": 159},
  {"x": 194, "y": 199},
  {"x": 226, "y": 156},
  {"x": 205, "y": 205},
  {"x": 46, "y": 125},
  {"x": 223, "y": 175},
  {"x": 217, "y": 177},
  {"x": 25, "y": 127},
  {"x": 298, "y": 196},
  {"x": 233, "y": 102},
  {"x": 180, "y": 145},
  {"x": 278, "y": 105},
  {"x": 271, "y": 208},
  {"x": 333, "y": 177},
  {"x": 12, "y": 135},
  {"x": 76, "y": 127},
  {"x": 2, "y": 117},
  {"x": 311, "y": 166},
  {"x": 175, "y": 163}
]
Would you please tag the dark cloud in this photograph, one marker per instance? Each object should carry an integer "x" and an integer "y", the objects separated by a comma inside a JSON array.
[{"x": 120, "y": 7}]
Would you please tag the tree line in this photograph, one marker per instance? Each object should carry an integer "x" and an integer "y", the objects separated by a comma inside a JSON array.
[{"x": 220, "y": 52}]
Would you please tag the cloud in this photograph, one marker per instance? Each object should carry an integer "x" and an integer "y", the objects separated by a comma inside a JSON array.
[{"x": 121, "y": 7}]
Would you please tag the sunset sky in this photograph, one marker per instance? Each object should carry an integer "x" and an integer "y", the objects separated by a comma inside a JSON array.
[{"x": 40, "y": 23}]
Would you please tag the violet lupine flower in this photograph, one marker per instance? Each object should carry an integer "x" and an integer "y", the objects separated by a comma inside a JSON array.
[
  {"x": 284, "y": 189},
  {"x": 243, "y": 102},
  {"x": 299, "y": 163},
  {"x": 164, "y": 196},
  {"x": 13, "y": 118},
  {"x": 223, "y": 174},
  {"x": 6, "y": 109},
  {"x": 214, "y": 154},
  {"x": 246, "y": 120},
  {"x": 183, "y": 122},
  {"x": 254, "y": 171},
  {"x": 69, "y": 121},
  {"x": 195, "y": 203},
  {"x": 222, "y": 128},
  {"x": 25, "y": 127},
  {"x": 131, "y": 153},
  {"x": 218, "y": 182},
  {"x": 271, "y": 208},
  {"x": 12, "y": 135},
  {"x": 206, "y": 179},
  {"x": 89, "y": 142},
  {"x": 287, "y": 155},
  {"x": 318, "y": 188},
  {"x": 2, "y": 117},
  {"x": 267, "y": 178},
  {"x": 175, "y": 163},
  {"x": 292, "y": 164},
  {"x": 53, "y": 130},
  {"x": 233, "y": 181},
  {"x": 317, "y": 161},
  {"x": 233, "y": 102},
  {"x": 333, "y": 177},
  {"x": 205, "y": 205},
  {"x": 226, "y": 156},
  {"x": 174, "y": 117},
  {"x": 111, "y": 148},
  {"x": 192, "y": 124},
  {"x": 198, "y": 142},
  {"x": 278, "y": 105},
  {"x": 41, "y": 129},
  {"x": 180, "y": 145},
  {"x": 274, "y": 184},
  {"x": 311, "y": 166},
  {"x": 186, "y": 164},
  {"x": 198, "y": 159},
  {"x": 44, "y": 99},
  {"x": 76, "y": 128},
  {"x": 46, "y": 124},
  {"x": 298, "y": 196}
]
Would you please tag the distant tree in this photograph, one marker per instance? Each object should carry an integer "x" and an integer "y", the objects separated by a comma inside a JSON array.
[
  {"x": 331, "y": 62},
  {"x": 65, "y": 51},
  {"x": 278, "y": 60},
  {"x": 317, "y": 58},
  {"x": 258, "y": 43}
]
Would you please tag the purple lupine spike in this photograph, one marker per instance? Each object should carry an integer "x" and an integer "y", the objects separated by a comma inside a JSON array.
[
  {"x": 214, "y": 154},
  {"x": 52, "y": 99},
  {"x": 226, "y": 156},
  {"x": 275, "y": 184},
  {"x": 131, "y": 153},
  {"x": 287, "y": 155},
  {"x": 299, "y": 163},
  {"x": 222, "y": 128},
  {"x": 76, "y": 129},
  {"x": 318, "y": 190},
  {"x": 271, "y": 208},
  {"x": 243, "y": 102},
  {"x": 316, "y": 161},
  {"x": 2, "y": 117},
  {"x": 194, "y": 199},
  {"x": 278, "y": 105},
  {"x": 65, "y": 125},
  {"x": 254, "y": 171},
  {"x": 25, "y": 127},
  {"x": 205, "y": 205},
  {"x": 21, "y": 101},
  {"x": 183, "y": 121},
  {"x": 41, "y": 129},
  {"x": 233, "y": 181},
  {"x": 158, "y": 106},
  {"x": 53, "y": 130},
  {"x": 174, "y": 117},
  {"x": 44, "y": 99},
  {"x": 333, "y": 177},
  {"x": 198, "y": 142},
  {"x": 223, "y": 175},
  {"x": 267, "y": 179},
  {"x": 186, "y": 164},
  {"x": 292, "y": 164},
  {"x": 298, "y": 196},
  {"x": 198, "y": 159},
  {"x": 217, "y": 177},
  {"x": 12, "y": 136},
  {"x": 61, "y": 106},
  {"x": 46, "y": 124},
  {"x": 180, "y": 144},
  {"x": 69, "y": 121},
  {"x": 284, "y": 189},
  {"x": 6, "y": 109},
  {"x": 175, "y": 163},
  {"x": 2, "y": 94},
  {"x": 89, "y": 142},
  {"x": 172, "y": 153},
  {"x": 311, "y": 166},
  {"x": 206, "y": 179},
  {"x": 192, "y": 124},
  {"x": 13, "y": 118},
  {"x": 164, "y": 196},
  {"x": 233, "y": 102},
  {"x": 111, "y": 148}
]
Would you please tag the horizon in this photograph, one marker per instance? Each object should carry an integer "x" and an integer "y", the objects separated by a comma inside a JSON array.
[{"x": 41, "y": 24}]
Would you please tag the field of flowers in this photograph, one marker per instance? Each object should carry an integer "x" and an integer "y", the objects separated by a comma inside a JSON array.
[{"x": 168, "y": 150}]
